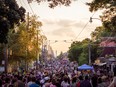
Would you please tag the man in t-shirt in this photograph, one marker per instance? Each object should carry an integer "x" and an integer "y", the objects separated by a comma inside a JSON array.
[{"x": 33, "y": 83}]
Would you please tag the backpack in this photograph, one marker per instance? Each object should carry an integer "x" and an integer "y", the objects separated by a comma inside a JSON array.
[{"x": 78, "y": 84}]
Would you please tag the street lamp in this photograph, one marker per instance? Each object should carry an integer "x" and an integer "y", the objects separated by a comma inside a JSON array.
[
  {"x": 89, "y": 46},
  {"x": 93, "y": 18}
]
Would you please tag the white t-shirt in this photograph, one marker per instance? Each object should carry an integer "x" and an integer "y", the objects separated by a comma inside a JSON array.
[{"x": 65, "y": 84}]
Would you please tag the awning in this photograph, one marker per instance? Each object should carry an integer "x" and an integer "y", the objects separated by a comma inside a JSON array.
[{"x": 85, "y": 67}]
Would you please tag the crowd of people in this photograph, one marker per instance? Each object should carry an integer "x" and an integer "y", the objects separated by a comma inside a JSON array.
[{"x": 60, "y": 73}]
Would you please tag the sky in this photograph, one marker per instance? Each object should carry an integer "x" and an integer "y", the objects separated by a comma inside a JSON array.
[{"x": 64, "y": 23}]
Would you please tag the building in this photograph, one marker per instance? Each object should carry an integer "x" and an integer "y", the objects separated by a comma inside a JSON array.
[{"x": 108, "y": 46}]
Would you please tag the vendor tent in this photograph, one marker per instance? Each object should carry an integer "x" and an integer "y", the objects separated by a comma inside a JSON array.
[{"x": 85, "y": 67}]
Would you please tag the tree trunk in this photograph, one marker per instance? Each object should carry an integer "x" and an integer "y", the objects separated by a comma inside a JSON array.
[{"x": 6, "y": 57}]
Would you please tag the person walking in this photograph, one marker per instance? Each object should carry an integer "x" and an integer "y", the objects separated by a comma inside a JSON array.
[
  {"x": 86, "y": 82},
  {"x": 33, "y": 83},
  {"x": 113, "y": 83}
]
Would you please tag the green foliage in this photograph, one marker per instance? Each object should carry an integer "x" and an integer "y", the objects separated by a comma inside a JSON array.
[
  {"x": 86, "y": 40},
  {"x": 100, "y": 4},
  {"x": 111, "y": 25},
  {"x": 75, "y": 50},
  {"x": 54, "y": 3},
  {"x": 109, "y": 15},
  {"x": 103, "y": 31},
  {"x": 10, "y": 14},
  {"x": 79, "y": 51},
  {"x": 83, "y": 59},
  {"x": 25, "y": 41},
  {"x": 96, "y": 34},
  {"x": 95, "y": 51}
]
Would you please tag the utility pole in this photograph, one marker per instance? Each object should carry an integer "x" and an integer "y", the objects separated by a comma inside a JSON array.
[
  {"x": 27, "y": 20},
  {"x": 56, "y": 53},
  {"x": 43, "y": 50},
  {"x": 89, "y": 47},
  {"x": 37, "y": 54},
  {"x": 26, "y": 63}
]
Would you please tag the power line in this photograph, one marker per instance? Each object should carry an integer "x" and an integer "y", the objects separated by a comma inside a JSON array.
[
  {"x": 105, "y": 46},
  {"x": 31, "y": 9},
  {"x": 34, "y": 14},
  {"x": 105, "y": 40},
  {"x": 26, "y": 5},
  {"x": 83, "y": 28},
  {"x": 20, "y": 2}
]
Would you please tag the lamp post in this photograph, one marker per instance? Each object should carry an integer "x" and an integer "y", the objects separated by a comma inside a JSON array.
[
  {"x": 92, "y": 20},
  {"x": 89, "y": 45}
]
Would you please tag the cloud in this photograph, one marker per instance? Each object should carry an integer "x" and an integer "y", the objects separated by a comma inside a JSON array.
[
  {"x": 63, "y": 27},
  {"x": 64, "y": 32},
  {"x": 63, "y": 22}
]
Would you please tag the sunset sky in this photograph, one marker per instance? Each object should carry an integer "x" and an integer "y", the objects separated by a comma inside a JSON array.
[{"x": 64, "y": 23}]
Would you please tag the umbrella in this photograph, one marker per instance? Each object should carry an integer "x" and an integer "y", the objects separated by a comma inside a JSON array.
[{"x": 85, "y": 67}]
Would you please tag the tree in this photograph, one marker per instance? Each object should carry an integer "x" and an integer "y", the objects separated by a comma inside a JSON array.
[
  {"x": 108, "y": 5},
  {"x": 10, "y": 14},
  {"x": 102, "y": 31},
  {"x": 79, "y": 51},
  {"x": 83, "y": 58},
  {"x": 95, "y": 51},
  {"x": 100, "y": 4},
  {"x": 98, "y": 32},
  {"x": 111, "y": 25},
  {"x": 25, "y": 41},
  {"x": 109, "y": 16},
  {"x": 75, "y": 51},
  {"x": 54, "y": 3}
]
